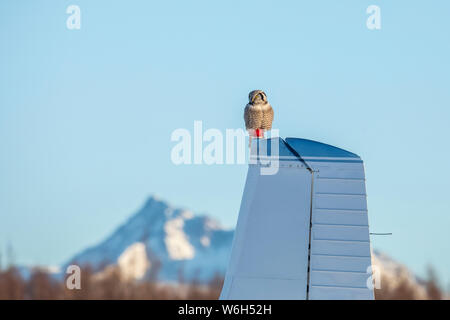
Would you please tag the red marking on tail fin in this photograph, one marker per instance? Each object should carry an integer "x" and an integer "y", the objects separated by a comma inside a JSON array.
[{"x": 259, "y": 133}]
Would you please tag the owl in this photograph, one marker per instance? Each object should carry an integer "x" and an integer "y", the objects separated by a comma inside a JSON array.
[{"x": 258, "y": 114}]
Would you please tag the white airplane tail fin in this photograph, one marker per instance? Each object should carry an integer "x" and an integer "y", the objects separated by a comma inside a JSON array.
[{"x": 302, "y": 232}]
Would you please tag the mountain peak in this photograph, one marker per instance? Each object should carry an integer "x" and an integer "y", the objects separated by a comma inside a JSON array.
[
  {"x": 153, "y": 199},
  {"x": 174, "y": 237}
]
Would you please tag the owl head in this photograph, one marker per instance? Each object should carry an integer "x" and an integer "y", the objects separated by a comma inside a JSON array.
[{"x": 257, "y": 96}]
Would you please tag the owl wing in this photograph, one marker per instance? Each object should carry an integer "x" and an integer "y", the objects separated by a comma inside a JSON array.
[
  {"x": 267, "y": 118},
  {"x": 253, "y": 116}
]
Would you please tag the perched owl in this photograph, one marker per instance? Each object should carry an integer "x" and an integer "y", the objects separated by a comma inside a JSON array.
[{"x": 258, "y": 114}]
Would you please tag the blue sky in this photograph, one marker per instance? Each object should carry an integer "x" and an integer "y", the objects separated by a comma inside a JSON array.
[{"x": 86, "y": 115}]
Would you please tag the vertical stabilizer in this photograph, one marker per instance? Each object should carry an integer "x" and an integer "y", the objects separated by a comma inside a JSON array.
[{"x": 302, "y": 231}]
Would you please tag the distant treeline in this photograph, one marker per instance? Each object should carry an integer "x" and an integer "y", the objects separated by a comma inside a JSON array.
[
  {"x": 111, "y": 285},
  {"x": 41, "y": 285}
]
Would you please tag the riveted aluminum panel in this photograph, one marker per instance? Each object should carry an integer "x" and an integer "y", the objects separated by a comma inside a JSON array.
[
  {"x": 341, "y": 248},
  {"x": 339, "y": 279},
  {"x": 340, "y": 263},
  {"x": 340, "y": 217},
  {"x": 338, "y": 170},
  {"x": 340, "y": 201},
  {"x": 269, "y": 258},
  {"x": 339, "y": 293},
  {"x": 340, "y": 186},
  {"x": 339, "y": 232}
]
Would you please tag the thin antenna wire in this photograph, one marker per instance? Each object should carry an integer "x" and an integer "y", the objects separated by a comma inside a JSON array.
[{"x": 380, "y": 234}]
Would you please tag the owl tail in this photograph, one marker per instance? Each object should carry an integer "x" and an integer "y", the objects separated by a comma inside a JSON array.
[{"x": 250, "y": 141}]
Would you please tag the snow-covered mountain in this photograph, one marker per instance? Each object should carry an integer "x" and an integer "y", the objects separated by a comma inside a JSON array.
[
  {"x": 161, "y": 239},
  {"x": 170, "y": 242}
]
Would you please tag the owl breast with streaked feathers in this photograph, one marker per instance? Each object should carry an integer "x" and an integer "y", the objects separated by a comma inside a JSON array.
[{"x": 258, "y": 114}]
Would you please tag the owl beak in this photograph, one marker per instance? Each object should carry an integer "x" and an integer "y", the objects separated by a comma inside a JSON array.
[{"x": 259, "y": 93}]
